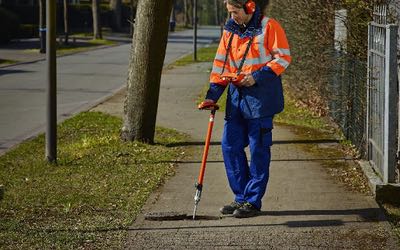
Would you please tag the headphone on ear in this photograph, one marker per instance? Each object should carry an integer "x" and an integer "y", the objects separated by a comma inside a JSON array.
[{"x": 249, "y": 7}]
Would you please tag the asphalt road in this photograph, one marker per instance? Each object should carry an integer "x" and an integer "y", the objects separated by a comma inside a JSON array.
[{"x": 83, "y": 80}]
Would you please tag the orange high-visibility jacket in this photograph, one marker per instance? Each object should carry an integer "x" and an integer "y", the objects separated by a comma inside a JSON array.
[{"x": 269, "y": 48}]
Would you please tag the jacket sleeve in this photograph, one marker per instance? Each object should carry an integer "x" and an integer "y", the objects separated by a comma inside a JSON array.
[
  {"x": 215, "y": 91},
  {"x": 277, "y": 44},
  {"x": 219, "y": 59},
  {"x": 217, "y": 86}
]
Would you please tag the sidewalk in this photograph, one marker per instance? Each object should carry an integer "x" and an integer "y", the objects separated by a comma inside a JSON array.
[{"x": 304, "y": 207}]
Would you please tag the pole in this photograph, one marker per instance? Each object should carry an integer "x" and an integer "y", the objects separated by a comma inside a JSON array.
[
  {"x": 51, "y": 126},
  {"x": 42, "y": 26},
  {"x": 195, "y": 30},
  {"x": 391, "y": 102}
]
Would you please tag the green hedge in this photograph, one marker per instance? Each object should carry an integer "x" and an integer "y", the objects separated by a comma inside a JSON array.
[{"x": 309, "y": 25}]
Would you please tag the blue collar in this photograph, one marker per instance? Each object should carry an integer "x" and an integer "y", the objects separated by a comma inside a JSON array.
[{"x": 253, "y": 28}]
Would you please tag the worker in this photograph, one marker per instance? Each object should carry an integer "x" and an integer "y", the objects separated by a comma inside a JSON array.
[{"x": 251, "y": 57}]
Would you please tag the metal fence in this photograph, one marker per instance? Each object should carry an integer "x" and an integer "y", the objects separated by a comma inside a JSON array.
[
  {"x": 347, "y": 98},
  {"x": 382, "y": 95},
  {"x": 363, "y": 96},
  {"x": 346, "y": 92}
]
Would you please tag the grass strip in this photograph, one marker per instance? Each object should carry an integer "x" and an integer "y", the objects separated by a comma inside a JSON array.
[
  {"x": 6, "y": 61},
  {"x": 78, "y": 46},
  {"x": 94, "y": 192},
  {"x": 82, "y": 46},
  {"x": 296, "y": 115}
]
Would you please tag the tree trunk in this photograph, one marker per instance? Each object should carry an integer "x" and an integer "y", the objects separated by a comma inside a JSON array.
[
  {"x": 216, "y": 8},
  {"x": 66, "y": 26},
  {"x": 96, "y": 19},
  {"x": 42, "y": 25},
  {"x": 184, "y": 12},
  {"x": 144, "y": 75},
  {"x": 115, "y": 6},
  {"x": 188, "y": 12},
  {"x": 172, "y": 21}
]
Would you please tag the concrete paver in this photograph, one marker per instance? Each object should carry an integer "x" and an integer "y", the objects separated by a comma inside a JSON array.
[{"x": 304, "y": 208}]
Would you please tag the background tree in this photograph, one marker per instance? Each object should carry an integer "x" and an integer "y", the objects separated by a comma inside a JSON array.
[
  {"x": 172, "y": 21},
  {"x": 96, "y": 19},
  {"x": 146, "y": 62},
  {"x": 188, "y": 9},
  {"x": 66, "y": 21},
  {"x": 115, "y": 6},
  {"x": 216, "y": 9}
]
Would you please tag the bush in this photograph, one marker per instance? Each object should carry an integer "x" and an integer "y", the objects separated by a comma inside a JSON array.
[
  {"x": 28, "y": 31},
  {"x": 9, "y": 25},
  {"x": 310, "y": 27}
]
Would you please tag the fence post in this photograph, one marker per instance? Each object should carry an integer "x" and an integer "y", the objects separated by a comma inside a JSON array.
[
  {"x": 51, "y": 114},
  {"x": 391, "y": 101},
  {"x": 337, "y": 103},
  {"x": 367, "y": 122}
]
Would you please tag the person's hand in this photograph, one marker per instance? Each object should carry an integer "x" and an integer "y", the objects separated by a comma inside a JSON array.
[
  {"x": 247, "y": 81},
  {"x": 208, "y": 104}
]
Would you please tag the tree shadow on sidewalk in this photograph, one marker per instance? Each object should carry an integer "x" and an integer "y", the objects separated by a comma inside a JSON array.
[
  {"x": 310, "y": 141},
  {"x": 13, "y": 71}
]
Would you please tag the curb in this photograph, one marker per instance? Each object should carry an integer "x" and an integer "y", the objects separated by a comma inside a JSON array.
[
  {"x": 373, "y": 179},
  {"x": 388, "y": 193}
]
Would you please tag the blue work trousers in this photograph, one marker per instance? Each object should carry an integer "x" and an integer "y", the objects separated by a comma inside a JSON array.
[{"x": 247, "y": 181}]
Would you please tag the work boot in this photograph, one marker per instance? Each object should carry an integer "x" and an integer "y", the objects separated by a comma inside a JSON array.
[
  {"x": 229, "y": 209},
  {"x": 245, "y": 211}
]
